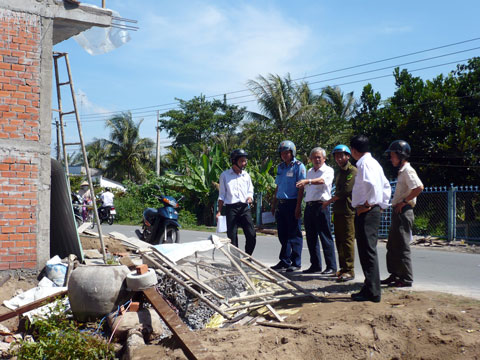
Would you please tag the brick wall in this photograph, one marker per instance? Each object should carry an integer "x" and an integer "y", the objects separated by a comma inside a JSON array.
[{"x": 20, "y": 50}]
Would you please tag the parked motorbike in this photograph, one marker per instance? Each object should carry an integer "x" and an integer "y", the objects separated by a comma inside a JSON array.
[{"x": 161, "y": 225}]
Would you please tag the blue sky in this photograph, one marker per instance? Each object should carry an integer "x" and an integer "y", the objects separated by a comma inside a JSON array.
[{"x": 186, "y": 48}]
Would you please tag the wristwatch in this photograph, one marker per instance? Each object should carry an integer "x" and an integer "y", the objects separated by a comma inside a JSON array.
[{"x": 309, "y": 181}]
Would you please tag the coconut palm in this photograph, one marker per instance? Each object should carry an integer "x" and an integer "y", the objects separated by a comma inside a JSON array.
[
  {"x": 279, "y": 99},
  {"x": 129, "y": 155},
  {"x": 343, "y": 105}
]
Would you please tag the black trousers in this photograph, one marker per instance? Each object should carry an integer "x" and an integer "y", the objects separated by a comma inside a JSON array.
[
  {"x": 366, "y": 232},
  {"x": 240, "y": 214},
  {"x": 317, "y": 224}
]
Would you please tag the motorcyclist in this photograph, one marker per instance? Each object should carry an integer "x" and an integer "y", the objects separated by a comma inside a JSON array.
[{"x": 107, "y": 202}]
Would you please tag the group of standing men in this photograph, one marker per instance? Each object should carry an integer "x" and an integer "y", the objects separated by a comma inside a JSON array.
[{"x": 362, "y": 192}]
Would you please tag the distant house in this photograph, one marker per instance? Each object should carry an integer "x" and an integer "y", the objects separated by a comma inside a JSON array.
[{"x": 97, "y": 177}]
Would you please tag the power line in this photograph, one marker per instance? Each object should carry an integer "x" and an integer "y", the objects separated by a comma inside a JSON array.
[
  {"x": 302, "y": 78},
  {"x": 152, "y": 113}
]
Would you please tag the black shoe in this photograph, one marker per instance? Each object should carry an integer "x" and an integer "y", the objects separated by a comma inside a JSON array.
[
  {"x": 391, "y": 279},
  {"x": 312, "y": 270},
  {"x": 400, "y": 283},
  {"x": 280, "y": 266},
  {"x": 364, "y": 297},
  {"x": 329, "y": 272},
  {"x": 292, "y": 268}
]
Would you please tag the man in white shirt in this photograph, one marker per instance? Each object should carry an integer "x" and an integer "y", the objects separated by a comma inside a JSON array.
[
  {"x": 409, "y": 186},
  {"x": 317, "y": 188},
  {"x": 236, "y": 195},
  {"x": 107, "y": 197},
  {"x": 371, "y": 193}
]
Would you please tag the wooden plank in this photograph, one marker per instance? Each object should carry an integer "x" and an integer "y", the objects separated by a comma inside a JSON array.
[
  {"x": 281, "y": 325},
  {"x": 189, "y": 342},
  {"x": 33, "y": 305},
  {"x": 249, "y": 282}
]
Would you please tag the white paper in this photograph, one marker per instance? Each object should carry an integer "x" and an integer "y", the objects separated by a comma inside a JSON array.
[
  {"x": 176, "y": 252},
  {"x": 222, "y": 224},
  {"x": 268, "y": 217}
]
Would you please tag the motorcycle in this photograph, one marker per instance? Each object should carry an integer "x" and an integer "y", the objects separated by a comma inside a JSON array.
[
  {"x": 107, "y": 214},
  {"x": 161, "y": 225}
]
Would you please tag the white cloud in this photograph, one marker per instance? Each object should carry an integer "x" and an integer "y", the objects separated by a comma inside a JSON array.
[{"x": 207, "y": 46}]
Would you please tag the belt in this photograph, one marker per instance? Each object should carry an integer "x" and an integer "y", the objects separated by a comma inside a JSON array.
[
  {"x": 315, "y": 202},
  {"x": 284, "y": 201}
]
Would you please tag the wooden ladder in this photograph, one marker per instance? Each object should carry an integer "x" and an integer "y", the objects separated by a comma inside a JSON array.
[{"x": 57, "y": 56}]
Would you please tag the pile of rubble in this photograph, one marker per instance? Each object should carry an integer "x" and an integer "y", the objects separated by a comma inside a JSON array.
[{"x": 166, "y": 290}]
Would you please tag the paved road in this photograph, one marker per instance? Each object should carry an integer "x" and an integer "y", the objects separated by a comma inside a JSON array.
[{"x": 438, "y": 270}]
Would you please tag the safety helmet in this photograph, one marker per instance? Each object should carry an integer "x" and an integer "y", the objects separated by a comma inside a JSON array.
[
  {"x": 400, "y": 147},
  {"x": 236, "y": 154},
  {"x": 341, "y": 148},
  {"x": 287, "y": 145}
]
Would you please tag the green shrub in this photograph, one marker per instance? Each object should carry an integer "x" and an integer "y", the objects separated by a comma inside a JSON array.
[
  {"x": 57, "y": 337},
  {"x": 186, "y": 218}
]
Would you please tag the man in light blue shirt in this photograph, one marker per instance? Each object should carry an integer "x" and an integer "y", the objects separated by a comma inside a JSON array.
[{"x": 288, "y": 211}]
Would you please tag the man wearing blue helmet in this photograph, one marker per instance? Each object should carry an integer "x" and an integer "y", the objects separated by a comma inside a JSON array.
[
  {"x": 344, "y": 213},
  {"x": 288, "y": 211}
]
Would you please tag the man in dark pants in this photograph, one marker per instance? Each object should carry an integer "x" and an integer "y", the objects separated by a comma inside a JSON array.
[
  {"x": 344, "y": 213},
  {"x": 318, "y": 188},
  {"x": 236, "y": 193},
  {"x": 409, "y": 186},
  {"x": 371, "y": 193},
  {"x": 288, "y": 212}
]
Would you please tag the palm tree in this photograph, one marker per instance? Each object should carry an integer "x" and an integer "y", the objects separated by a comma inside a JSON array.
[
  {"x": 343, "y": 105},
  {"x": 128, "y": 154},
  {"x": 279, "y": 99}
]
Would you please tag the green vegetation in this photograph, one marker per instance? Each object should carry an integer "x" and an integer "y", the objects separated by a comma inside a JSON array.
[
  {"x": 438, "y": 117},
  {"x": 58, "y": 337}
]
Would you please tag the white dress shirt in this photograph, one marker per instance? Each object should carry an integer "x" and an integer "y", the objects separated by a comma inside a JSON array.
[
  {"x": 320, "y": 192},
  {"x": 235, "y": 187},
  {"x": 371, "y": 185}
]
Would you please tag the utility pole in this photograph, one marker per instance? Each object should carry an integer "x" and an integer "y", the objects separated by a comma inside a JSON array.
[{"x": 158, "y": 143}]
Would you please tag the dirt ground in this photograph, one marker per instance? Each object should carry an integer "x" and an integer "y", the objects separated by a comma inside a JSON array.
[{"x": 406, "y": 324}]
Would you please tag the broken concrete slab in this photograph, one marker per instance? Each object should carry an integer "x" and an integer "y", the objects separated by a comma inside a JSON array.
[{"x": 147, "y": 321}]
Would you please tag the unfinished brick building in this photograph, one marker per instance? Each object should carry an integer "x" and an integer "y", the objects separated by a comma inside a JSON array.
[{"x": 28, "y": 31}]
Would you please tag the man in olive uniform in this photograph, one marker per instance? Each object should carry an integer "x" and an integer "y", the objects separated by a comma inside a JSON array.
[{"x": 344, "y": 213}]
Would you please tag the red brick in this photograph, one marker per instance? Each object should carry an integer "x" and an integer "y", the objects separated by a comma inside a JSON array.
[
  {"x": 23, "y": 174},
  {"x": 141, "y": 269},
  {"x": 7, "y": 258},
  {"x": 7, "y": 229},
  {"x": 9, "y": 87},
  {"x": 16, "y": 222},
  {"x": 23, "y": 229},
  {"x": 19, "y": 40},
  {"x": 18, "y": 95},
  {"x": 18, "y": 109},
  {"x": 4, "y": 167},
  {"x": 22, "y": 244},
  {"x": 4, "y": 237},
  {"x": 8, "y": 201},
  {"x": 4, "y": 266},
  {"x": 30, "y": 237},
  {"x": 29, "y": 265},
  {"x": 32, "y": 137},
  {"x": 16, "y": 237},
  {"x": 7, "y": 244},
  {"x": 17, "y": 167},
  {"x": 5, "y": 66},
  {"x": 25, "y": 88}
]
